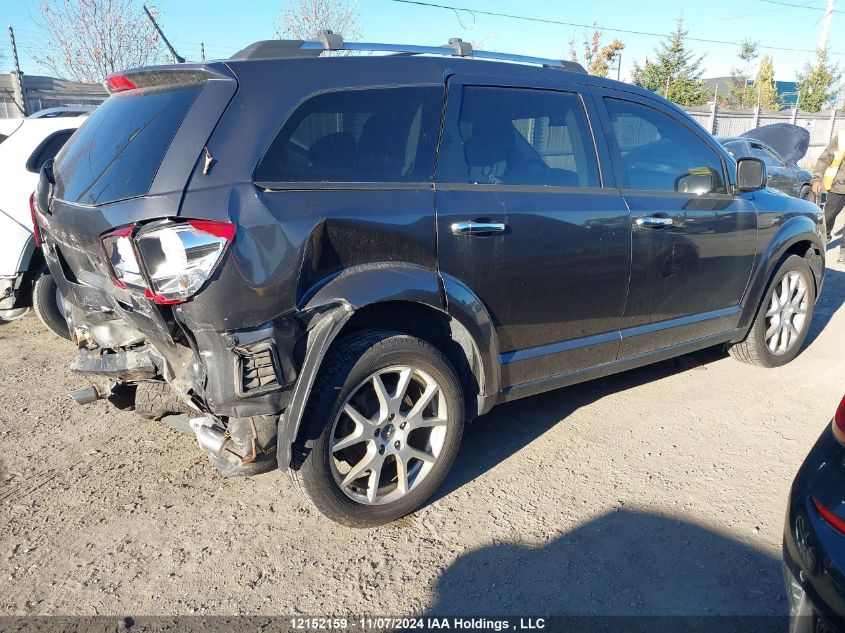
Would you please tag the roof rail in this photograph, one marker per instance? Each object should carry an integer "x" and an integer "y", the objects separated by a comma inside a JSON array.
[{"x": 328, "y": 41}]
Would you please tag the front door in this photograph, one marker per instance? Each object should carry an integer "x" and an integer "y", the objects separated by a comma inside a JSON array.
[
  {"x": 694, "y": 243},
  {"x": 524, "y": 222}
]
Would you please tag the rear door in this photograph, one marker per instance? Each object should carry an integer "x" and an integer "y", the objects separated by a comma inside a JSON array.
[
  {"x": 529, "y": 222},
  {"x": 694, "y": 242}
]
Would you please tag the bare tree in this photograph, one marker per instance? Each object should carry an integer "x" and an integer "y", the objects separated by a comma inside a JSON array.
[
  {"x": 87, "y": 40},
  {"x": 304, "y": 19}
]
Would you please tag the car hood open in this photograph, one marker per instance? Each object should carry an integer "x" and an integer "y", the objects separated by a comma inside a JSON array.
[{"x": 790, "y": 141}]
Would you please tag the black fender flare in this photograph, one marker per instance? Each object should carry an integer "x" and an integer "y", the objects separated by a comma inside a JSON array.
[
  {"x": 796, "y": 229},
  {"x": 329, "y": 308}
]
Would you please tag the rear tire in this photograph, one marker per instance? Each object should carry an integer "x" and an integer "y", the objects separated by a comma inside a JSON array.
[
  {"x": 783, "y": 318},
  {"x": 390, "y": 408},
  {"x": 155, "y": 399},
  {"x": 45, "y": 302}
]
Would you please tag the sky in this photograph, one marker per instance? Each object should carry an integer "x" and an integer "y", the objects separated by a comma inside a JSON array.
[{"x": 226, "y": 26}]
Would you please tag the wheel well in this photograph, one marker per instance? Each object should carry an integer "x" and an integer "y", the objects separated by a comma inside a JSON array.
[
  {"x": 808, "y": 251},
  {"x": 431, "y": 325}
]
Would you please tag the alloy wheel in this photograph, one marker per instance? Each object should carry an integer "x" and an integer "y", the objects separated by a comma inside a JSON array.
[
  {"x": 388, "y": 435},
  {"x": 786, "y": 317}
]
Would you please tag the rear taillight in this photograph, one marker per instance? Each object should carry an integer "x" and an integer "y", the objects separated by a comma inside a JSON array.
[
  {"x": 168, "y": 261},
  {"x": 34, "y": 216},
  {"x": 119, "y": 83},
  {"x": 829, "y": 516},
  {"x": 839, "y": 423}
]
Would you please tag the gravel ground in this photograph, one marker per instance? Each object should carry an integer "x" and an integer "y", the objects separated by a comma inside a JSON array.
[{"x": 657, "y": 491}]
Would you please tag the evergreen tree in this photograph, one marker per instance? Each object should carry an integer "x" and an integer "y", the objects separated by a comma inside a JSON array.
[
  {"x": 741, "y": 93},
  {"x": 815, "y": 84},
  {"x": 764, "y": 88},
  {"x": 676, "y": 72}
]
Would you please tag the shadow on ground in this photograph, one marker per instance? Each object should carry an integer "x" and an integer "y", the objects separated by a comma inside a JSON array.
[
  {"x": 492, "y": 438},
  {"x": 830, "y": 300},
  {"x": 622, "y": 563}
]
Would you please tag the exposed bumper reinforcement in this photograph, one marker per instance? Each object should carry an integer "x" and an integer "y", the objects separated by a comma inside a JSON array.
[{"x": 127, "y": 366}]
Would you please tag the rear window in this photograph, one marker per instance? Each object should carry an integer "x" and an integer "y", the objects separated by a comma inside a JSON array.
[
  {"x": 117, "y": 152},
  {"x": 373, "y": 135}
]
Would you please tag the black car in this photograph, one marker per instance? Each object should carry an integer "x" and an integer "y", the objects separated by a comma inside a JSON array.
[
  {"x": 782, "y": 168},
  {"x": 814, "y": 535},
  {"x": 331, "y": 263}
]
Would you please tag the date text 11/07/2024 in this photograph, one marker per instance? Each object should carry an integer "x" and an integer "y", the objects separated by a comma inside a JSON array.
[{"x": 423, "y": 624}]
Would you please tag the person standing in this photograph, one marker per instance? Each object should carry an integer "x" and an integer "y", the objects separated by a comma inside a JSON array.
[{"x": 829, "y": 174}]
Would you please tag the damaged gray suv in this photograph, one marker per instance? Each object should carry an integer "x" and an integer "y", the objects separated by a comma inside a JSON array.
[{"x": 329, "y": 264}]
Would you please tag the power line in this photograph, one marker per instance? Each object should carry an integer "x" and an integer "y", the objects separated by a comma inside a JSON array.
[
  {"x": 790, "y": 5},
  {"x": 527, "y": 18}
]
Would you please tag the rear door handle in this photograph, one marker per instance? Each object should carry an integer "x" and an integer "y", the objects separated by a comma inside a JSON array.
[
  {"x": 653, "y": 222},
  {"x": 471, "y": 227}
]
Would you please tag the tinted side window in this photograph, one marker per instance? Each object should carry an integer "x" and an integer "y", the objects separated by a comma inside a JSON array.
[
  {"x": 515, "y": 136},
  {"x": 47, "y": 149},
  {"x": 737, "y": 149},
  {"x": 373, "y": 135},
  {"x": 766, "y": 156},
  {"x": 659, "y": 153}
]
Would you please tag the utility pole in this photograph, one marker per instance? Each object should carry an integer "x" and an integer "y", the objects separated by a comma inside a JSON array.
[
  {"x": 714, "y": 113},
  {"x": 18, "y": 87},
  {"x": 828, "y": 16},
  {"x": 177, "y": 58}
]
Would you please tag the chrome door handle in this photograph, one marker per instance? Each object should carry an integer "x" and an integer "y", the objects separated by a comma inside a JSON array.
[
  {"x": 652, "y": 221},
  {"x": 470, "y": 227}
]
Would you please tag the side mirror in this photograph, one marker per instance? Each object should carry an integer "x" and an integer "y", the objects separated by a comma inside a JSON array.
[{"x": 750, "y": 174}]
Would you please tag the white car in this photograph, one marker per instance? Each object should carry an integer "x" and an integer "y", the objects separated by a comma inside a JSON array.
[{"x": 24, "y": 280}]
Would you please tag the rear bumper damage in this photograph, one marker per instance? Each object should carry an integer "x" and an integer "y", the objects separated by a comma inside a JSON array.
[{"x": 233, "y": 386}]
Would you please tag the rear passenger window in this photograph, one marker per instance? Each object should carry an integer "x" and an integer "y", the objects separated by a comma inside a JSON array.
[
  {"x": 373, "y": 135},
  {"x": 515, "y": 136},
  {"x": 658, "y": 153}
]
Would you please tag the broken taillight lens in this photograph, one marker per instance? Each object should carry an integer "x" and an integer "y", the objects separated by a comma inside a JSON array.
[
  {"x": 120, "y": 250},
  {"x": 169, "y": 261}
]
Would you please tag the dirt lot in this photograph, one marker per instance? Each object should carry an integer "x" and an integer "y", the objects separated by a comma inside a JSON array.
[{"x": 658, "y": 491}]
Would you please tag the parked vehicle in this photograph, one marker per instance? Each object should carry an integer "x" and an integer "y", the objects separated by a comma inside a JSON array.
[
  {"x": 7, "y": 126},
  {"x": 25, "y": 281},
  {"x": 333, "y": 263},
  {"x": 814, "y": 535},
  {"x": 782, "y": 168}
]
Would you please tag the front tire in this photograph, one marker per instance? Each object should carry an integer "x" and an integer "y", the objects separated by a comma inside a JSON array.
[
  {"x": 783, "y": 318},
  {"x": 45, "y": 302},
  {"x": 384, "y": 423}
]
